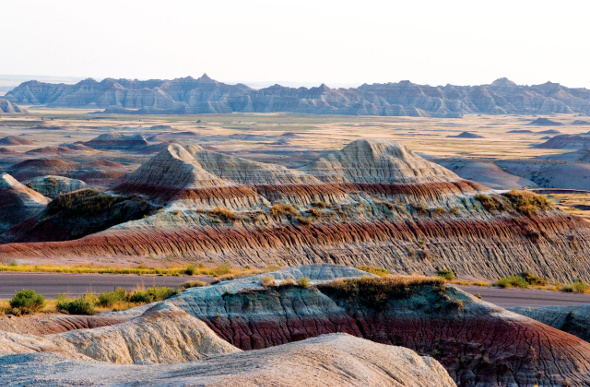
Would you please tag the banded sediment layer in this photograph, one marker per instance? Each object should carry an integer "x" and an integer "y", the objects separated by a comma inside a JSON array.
[
  {"x": 343, "y": 326},
  {"x": 372, "y": 203}
]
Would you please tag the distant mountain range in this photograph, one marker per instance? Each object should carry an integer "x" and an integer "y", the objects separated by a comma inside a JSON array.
[{"x": 206, "y": 96}]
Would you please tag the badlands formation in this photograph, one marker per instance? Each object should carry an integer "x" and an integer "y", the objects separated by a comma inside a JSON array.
[
  {"x": 343, "y": 330},
  {"x": 372, "y": 203},
  {"x": 9, "y": 107},
  {"x": 207, "y": 96}
]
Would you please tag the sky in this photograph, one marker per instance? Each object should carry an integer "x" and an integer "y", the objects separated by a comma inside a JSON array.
[{"x": 303, "y": 42}]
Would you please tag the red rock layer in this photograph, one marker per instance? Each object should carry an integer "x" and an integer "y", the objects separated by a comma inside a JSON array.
[
  {"x": 477, "y": 343},
  {"x": 551, "y": 246},
  {"x": 305, "y": 194}
]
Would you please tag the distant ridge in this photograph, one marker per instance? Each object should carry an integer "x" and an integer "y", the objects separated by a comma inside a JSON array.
[{"x": 208, "y": 96}]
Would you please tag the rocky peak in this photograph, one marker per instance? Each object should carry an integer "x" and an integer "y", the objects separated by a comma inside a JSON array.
[
  {"x": 10, "y": 108},
  {"x": 174, "y": 167},
  {"x": 243, "y": 171},
  {"x": 206, "y": 79},
  {"x": 371, "y": 161},
  {"x": 503, "y": 82}
]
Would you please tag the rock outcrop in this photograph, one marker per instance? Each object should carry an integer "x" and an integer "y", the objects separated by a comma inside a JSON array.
[
  {"x": 52, "y": 186},
  {"x": 570, "y": 319},
  {"x": 328, "y": 361},
  {"x": 378, "y": 162},
  {"x": 205, "y": 95},
  {"x": 163, "y": 334},
  {"x": 567, "y": 141},
  {"x": 15, "y": 140},
  {"x": 8, "y": 107},
  {"x": 542, "y": 121},
  {"x": 466, "y": 135},
  {"x": 372, "y": 203},
  {"x": 118, "y": 141},
  {"x": 18, "y": 202},
  {"x": 97, "y": 173},
  {"x": 477, "y": 342}
]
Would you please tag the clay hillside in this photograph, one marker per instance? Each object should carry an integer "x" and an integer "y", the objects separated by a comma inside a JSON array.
[
  {"x": 9, "y": 107},
  {"x": 205, "y": 95},
  {"x": 372, "y": 203},
  {"x": 341, "y": 327}
]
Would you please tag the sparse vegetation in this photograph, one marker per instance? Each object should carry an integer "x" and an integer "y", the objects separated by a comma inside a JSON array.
[
  {"x": 87, "y": 211},
  {"x": 522, "y": 280},
  {"x": 225, "y": 214},
  {"x": 201, "y": 269},
  {"x": 109, "y": 299},
  {"x": 26, "y": 301},
  {"x": 304, "y": 282},
  {"x": 446, "y": 274},
  {"x": 267, "y": 280},
  {"x": 81, "y": 305},
  {"x": 527, "y": 203},
  {"x": 576, "y": 287},
  {"x": 283, "y": 209},
  {"x": 374, "y": 270},
  {"x": 375, "y": 292},
  {"x": 191, "y": 284}
]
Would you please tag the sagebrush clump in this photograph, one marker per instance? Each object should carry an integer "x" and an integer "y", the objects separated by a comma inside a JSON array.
[
  {"x": 27, "y": 301},
  {"x": 527, "y": 203}
]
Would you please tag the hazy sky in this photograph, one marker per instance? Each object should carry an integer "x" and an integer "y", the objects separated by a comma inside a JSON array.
[{"x": 335, "y": 42}]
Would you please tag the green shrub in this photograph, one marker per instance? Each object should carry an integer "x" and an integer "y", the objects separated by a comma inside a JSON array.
[
  {"x": 522, "y": 280},
  {"x": 533, "y": 279},
  {"x": 152, "y": 294},
  {"x": 374, "y": 270},
  {"x": 190, "y": 270},
  {"x": 141, "y": 297},
  {"x": 304, "y": 282},
  {"x": 446, "y": 274},
  {"x": 576, "y": 287},
  {"x": 108, "y": 299},
  {"x": 527, "y": 203},
  {"x": 27, "y": 301},
  {"x": 80, "y": 305},
  {"x": 222, "y": 270},
  {"x": 513, "y": 281}
]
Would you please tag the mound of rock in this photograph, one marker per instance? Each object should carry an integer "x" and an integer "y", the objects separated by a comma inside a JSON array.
[
  {"x": 542, "y": 121},
  {"x": 570, "y": 319},
  {"x": 580, "y": 122},
  {"x": 52, "y": 186},
  {"x": 14, "y": 140},
  {"x": 78, "y": 213},
  {"x": 478, "y": 343},
  {"x": 42, "y": 167},
  {"x": 567, "y": 141},
  {"x": 8, "y": 107},
  {"x": 163, "y": 334},
  {"x": 378, "y": 162},
  {"x": 467, "y": 135},
  {"x": 118, "y": 141},
  {"x": 333, "y": 360},
  {"x": 18, "y": 202}
]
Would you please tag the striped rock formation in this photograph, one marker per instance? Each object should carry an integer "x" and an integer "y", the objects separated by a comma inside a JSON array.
[{"x": 372, "y": 203}]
